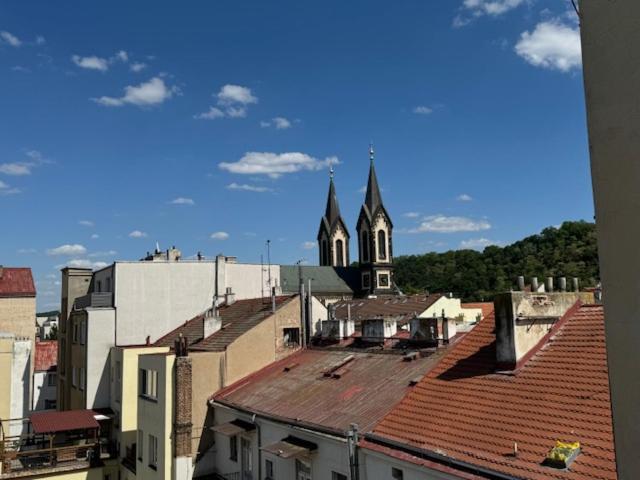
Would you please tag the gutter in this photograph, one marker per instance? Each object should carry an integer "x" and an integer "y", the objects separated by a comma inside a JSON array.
[{"x": 439, "y": 458}]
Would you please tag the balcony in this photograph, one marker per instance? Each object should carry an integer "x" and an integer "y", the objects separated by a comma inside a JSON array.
[{"x": 94, "y": 300}]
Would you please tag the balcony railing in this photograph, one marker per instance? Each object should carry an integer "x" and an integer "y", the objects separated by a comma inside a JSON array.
[
  {"x": 17, "y": 461},
  {"x": 96, "y": 300}
]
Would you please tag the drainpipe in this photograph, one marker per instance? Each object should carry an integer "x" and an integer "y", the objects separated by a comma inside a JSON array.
[
  {"x": 352, "y": 446},
  {"x": 309, "y": 315},
  {"x": 253, "y": 420}
]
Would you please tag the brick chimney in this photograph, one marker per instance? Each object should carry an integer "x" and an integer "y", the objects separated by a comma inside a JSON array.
[
  {"x": 523, "y": 319},
  {"x": 182, "y": 425}
]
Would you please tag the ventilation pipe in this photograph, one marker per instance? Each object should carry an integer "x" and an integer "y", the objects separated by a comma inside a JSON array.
[
  {"x": 562, "y": 284},
  {"x": 576, "y": 284},
  {"x": 549, "y": 284},
  {"x": 521, "y": 283},
  {"x": 534, "y": 284}
]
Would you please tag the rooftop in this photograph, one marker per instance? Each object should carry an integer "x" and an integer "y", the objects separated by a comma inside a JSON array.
[
  {"x": 328, "y": 389},
  {"x": 237, "y": 319},
  {"x": 486, "y": 307},
  {"x": 324, "y": 280},
  {"x": 400, "y": 307},
  {"x": 16, "y": 282},
  {"x": 46, "y": 357},
  {"x": 465, "y": 411}
]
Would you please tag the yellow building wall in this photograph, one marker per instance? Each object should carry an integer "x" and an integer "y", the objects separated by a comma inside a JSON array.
[
  {"x": 207, "y": 378},
  {"x": 6, "y": 353},
  {"x": 18, "y": 316}
]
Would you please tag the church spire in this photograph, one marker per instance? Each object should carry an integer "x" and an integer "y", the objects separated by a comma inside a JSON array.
[
  {"x": 333, "y": 236},
  {"x": 332, "y": 212},
  {"x": 373, "y": 198}
]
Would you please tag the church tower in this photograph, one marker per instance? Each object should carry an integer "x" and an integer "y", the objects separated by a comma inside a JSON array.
[
  {"x": 375, "y": 239},
  {"x": 333, "y": 236}
]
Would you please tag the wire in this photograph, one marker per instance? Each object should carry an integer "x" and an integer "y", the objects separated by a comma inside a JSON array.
[{"x": 575, "y": 7}]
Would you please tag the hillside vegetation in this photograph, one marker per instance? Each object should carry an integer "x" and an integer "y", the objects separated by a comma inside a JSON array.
[{"x": 569, "y": 251}]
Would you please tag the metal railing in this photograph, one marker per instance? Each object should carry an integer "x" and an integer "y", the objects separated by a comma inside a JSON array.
[{"x": 102, "y": 299}]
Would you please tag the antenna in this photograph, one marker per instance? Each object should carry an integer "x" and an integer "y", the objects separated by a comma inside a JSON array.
[
  {"x": 269, "y": 261},
  {"x": 262, "y": 277}
]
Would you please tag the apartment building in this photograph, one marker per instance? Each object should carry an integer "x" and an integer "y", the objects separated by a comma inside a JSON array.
[{"x": 45, "y": 378}]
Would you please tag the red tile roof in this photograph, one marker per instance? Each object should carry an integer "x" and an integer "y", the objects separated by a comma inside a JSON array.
[
  {"x": 51, "y": 422},
  {"x": 296, "y": 388},
  {"x": 464, "y": 410},
  {"x": 486, "y": 307},
  {"x": 16, "y": 282},
  {"x": 46, "y": 357},
  {"x": 237, "y": 319}
]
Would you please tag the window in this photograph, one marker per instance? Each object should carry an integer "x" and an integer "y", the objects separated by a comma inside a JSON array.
[
  {"x": 51, "y": 379},
  {"x": 62, "y": 355},
  {"x": 397, "y": 474},
  {"x": 233, "y": 448},
  {"x": 149, "y": 383},
  {"x": 382, "y": 245},
  {"x": 99, "y": 286},
  {"x": 324, "y": 253},
  {"x": 108, "y": 281},
  {"x": 140, "y": 444},
  {"x": 383, "y": 280},
  {"x": 303, "y": 470},
  {"x": 246, "y": 467},
  {"x": 81, "y": 378},
  {"x": 75, "y": 332},
  {"x": 268, "y": 469},
  {"x": 83, "y": 332},
  {"x": 365, "y": 247},
  {"x": 291, "y": 337},
  {"x": 339, "y": 253},
  {"x": 153, "y": 452},
  {"x": 49, "y": 404},
  {"x": 366, "y": 280},
  {"x": 338, "y": 476}
]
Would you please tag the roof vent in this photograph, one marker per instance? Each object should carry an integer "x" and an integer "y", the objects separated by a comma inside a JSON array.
[{"x": 562, "y": 455}]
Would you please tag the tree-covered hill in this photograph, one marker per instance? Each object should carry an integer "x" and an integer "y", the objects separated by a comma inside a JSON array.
[{"x": 569, "y": 251}]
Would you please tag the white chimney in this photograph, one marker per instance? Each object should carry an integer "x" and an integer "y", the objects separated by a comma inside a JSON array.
[
  {"x": 211, "y": 324},
  {"x": 229, "y": 297}
]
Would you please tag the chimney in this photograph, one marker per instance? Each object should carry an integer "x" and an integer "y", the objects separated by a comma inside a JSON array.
[
  {"x": 229, "y": 297},
  {"x": 576, "y": 284},
  {"x": 523, "y": 320},
  {"x": 534, "y": 284},
  {"x": 211, "y": 323},
  {"x": 562, "y": 284},
  {"x": 521, "y": 283},
  {"x": 549, "y": 285},
  {"x": 182, "y": 417}
]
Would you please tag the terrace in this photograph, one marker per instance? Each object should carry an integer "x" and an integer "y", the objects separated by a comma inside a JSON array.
[{"x": 54, "y": 442}]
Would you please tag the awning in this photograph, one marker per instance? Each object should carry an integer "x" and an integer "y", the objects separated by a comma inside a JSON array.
[
  {"x": 291, "y": 447},
  {"x": 234, "y": 427},
  {"x": 52, "y": 422}
]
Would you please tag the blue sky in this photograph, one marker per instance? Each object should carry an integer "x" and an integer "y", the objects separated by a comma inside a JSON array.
[{"x": 211, "y": 127}]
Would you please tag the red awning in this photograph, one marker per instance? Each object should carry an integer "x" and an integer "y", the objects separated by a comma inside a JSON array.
[{"x": 51, "y": 422}]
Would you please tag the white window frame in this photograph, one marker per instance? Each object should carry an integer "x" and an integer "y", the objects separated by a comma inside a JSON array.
[{"x": 153, "y": 452}]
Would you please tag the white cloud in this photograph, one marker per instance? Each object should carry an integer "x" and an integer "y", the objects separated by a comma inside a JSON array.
[
  {"x": 86, "y": 223},
  {"x": 472, "y": 9},
  {"x": 121, "y": 56},
  {"x": 6, "y": 189},
  {"x": 276, "y": 164},
  {"x": 280, "y": 123},
  {"x": 444, "y": 224},
  {"x": 210, "y": 114},
  {"x": 67, "y": 249},
  {"x": 551, "y": 45},
  {"x": 137, "y": 234},
  {"x": 410, "y": 214},
  {"x": 17, "y": 168},
  {"x": 91, "y": 63},
  {"x": 236, "y": 112},
  {"x": 137, "y": 66},
  {"x": 95, "y": 236},
  {"x": 220, "y": 236},
  {"x": 422, "y": 110},
  {"x": 309, "y": 245},
  {"x": 83, "y": 263},
  {"x": 248, "y": 188},
  {"x": 234, "y": 94},
  {"x": 10, "y": 39},
  {"x": 463, "y": 197},
  {"x": 182, "y": 201},
  {"x": 477, "y": 243},
  {"x": 153, "y": 92}
]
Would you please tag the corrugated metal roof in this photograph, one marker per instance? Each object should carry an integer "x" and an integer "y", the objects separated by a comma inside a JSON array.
[
  {"x": 324, "y": 280},
  {"x": 46, "y": 357},
  {"x": 465, "y": 410},
  {"x": 52, "y": 422},
  {"x": 16, "y": 282},
  {"x": 237, "y": 319},
  {"x": 297, "y": 388}
]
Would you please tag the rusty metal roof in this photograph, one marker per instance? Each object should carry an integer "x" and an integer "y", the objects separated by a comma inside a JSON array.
[
  {"x": 466, "y": 411},
  {"x": 52, "y": 422},
  {"x": 46, "y": 357},
  {"x": 400, "y": 307},
  {"x": 316, "y": 387},
  {"x": 16, "y": 282}
]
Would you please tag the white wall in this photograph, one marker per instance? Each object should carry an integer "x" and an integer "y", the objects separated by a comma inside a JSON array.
[
  {"x": 153, "y": 298},
  {"x": 100, "y": 335},
  {"x": 330, "y": 456},
  {"x": 42, "y": 391},
  {"x": 20, "y": 382},
  {"x": 377, "y": 466},
  {"x": 452, "y": 309},
  {"x": 246, "y": 279}
]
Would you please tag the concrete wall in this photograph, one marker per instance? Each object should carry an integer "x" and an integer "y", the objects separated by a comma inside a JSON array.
[
  {"x": 153, "y": 298},
  {"x": 156, "y": 417},
  {"x": 611, "y": 57},
  {"x": 100, "y": 334},
  {"x": 246, "y": 280},
  {"x": 377, "y": 466}
]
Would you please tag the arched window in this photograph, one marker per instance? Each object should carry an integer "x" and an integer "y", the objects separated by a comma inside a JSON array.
[
  {"x": 382, "y": 245},
  {"x": 365, "y": 247},
  {"x": 339, "y": 253},
  {"x": 324, "y": 254}
]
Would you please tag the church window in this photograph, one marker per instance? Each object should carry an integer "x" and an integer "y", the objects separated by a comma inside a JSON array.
[
  {"x": 339, "y": 253},
  {"x": 383, "y": 280},
  {"x": 324, "y": 253},
  {"x": 365, "y": 246},
  {"x": 382, "y": 245}
]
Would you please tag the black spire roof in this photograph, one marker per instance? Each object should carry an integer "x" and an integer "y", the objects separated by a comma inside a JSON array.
[
  {"x": 332, "y": 213},
  {"x": 373, "y": 199}
]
